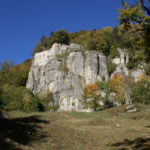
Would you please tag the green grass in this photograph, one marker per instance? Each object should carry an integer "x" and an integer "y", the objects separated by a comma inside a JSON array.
[{"x": 112, "y": 129}]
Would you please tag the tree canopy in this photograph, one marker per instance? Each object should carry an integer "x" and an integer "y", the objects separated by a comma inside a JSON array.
[
  {"x": 136, "y": 20},
  {"x": 45, "y": 43}
]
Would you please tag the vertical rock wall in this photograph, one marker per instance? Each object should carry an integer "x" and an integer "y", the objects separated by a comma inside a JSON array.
[{"x": 64, "y": 71}]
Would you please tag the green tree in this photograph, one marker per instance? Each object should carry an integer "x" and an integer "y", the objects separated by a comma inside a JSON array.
[
  {"x": 5, "y": 73},
  {"x": 138, "y": 14},
  {"x": 102, "y": 39},
  {"x": 20, "y": 98},
  {"x": 6, "y": 65},
  {"x": 141, "y": 91},
  {"x": 147, "y": 69},
  {"x": 61, "y": 36},
  {"x": 0, "y": 97},
  {"x": 111, "y": 66},
  {"x": 14, "y": 75},
  {"x": 45, "y": 43}
]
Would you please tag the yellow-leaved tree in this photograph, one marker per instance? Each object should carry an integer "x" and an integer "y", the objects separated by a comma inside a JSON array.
[
  {"x": 91, "y": 97},
  {"x": 121, "y": 85}
]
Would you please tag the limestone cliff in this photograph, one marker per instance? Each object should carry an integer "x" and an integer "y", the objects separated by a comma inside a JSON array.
[{"x": 64, "y": 71}]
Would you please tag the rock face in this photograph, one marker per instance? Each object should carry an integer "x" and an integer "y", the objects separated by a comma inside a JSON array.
[
  {"x": 135, "y": 74},
  {"x": 121, "y": 62},
  {"x": 64, "y": 71}
]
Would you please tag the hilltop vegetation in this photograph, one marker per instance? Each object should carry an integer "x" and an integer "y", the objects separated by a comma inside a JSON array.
[{"x": 132, "y": 35}]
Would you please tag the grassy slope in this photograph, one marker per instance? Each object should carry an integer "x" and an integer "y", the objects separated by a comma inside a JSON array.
[{"x": 112, "y": 129}]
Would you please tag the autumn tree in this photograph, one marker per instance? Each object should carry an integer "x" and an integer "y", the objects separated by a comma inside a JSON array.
[
  {"x": 139, "y": 15},
  {"x": 91, "y": 97},
  {"x": 121, "y": 85}
]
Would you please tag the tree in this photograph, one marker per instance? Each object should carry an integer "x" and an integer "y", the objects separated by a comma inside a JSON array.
[
  {"x": 61, "y": 36},
  {"x": 136, "y": 13},
  {"x": 46, "y": 43},
  {"x": 147, "y": 69},
  {"x": 121, "y": 38},
  {"x": 139, "y": 15},
  {"x": 5, "y": 74},
  {"x": 121, "y": 85},
  {"x": 0, "y": 97},
  {"x": 141, "y": 90},
  {"x": 111, "y": 66},
  {"x": 91, "y": 97},
  {"x": 20, "y": 73},
  {"x": 116, "y": 86},
  {"x": 14, "y": 75},
  {"x": 18, "y": 98},
  {"x": 102, "y": 40},
  {"x": 6, "y": 65}
]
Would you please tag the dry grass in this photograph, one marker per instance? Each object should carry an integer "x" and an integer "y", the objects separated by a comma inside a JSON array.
[{"x": 112, "y": 129}]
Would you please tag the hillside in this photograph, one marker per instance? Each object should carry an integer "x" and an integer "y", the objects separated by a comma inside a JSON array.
[
  {"x": 112, "y": 129},
  {"x": 85, "y": 90},
  {"x": 113, "y": 64}
]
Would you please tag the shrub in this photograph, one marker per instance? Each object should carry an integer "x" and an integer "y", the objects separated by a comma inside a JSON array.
[
  {"x": 103, "y": 86},
  {"x": 114, "y": 53},
  {"x": 141, "y": 91},
  {"x": 147, "y": 69},
  {"x": 14, "y": 75},
  {"x": 111, "y": 67},
  {"x": 131, "y": 64},
  {"x": 91, "y": 45},
  {"x": 30, "y": 103},
  {"x": 48, "y": 103},
  {"x": 18, "y": 98}
]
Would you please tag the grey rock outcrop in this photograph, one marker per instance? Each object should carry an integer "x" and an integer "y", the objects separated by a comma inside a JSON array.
[
  {"x": 64, "y": 71},
  {"x": 131, "y": 108},
  {"x": 121, "y": 62},
  {"x": 135, "y": 74}
]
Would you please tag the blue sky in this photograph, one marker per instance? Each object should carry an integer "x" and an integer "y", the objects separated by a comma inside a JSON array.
[{"x": 23, "y": 22}]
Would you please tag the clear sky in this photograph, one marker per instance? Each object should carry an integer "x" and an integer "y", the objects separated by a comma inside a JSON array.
[{"x": 23, "y": 22}]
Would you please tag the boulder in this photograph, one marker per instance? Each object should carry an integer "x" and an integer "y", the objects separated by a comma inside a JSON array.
[
  {"x": 131, "y": 108},
  {"x": 136, "y": 73}
]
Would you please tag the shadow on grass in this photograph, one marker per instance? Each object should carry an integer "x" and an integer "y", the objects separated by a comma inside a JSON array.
[
  {"x": 20, "y": 130},
  {"x": 136, "y": 144}
]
